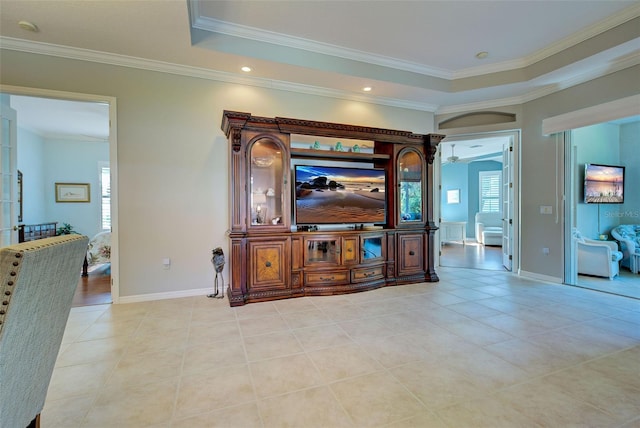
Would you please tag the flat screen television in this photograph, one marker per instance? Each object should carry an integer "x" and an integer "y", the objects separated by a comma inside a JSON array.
[
  {"x": 603, "y": 184},
  {"x": 339, "y": 195}
]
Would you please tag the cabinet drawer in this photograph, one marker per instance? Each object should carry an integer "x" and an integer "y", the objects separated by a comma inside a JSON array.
[
  {"x": 367, "y": 274},
  {"x": 326, "y": 278}
]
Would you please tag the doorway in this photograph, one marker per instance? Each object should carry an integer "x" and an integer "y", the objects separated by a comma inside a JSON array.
[
  {"x": 477, "y": 176},
  {"x": 69, "y": 139},
  {"x": 590, "y": 242}
]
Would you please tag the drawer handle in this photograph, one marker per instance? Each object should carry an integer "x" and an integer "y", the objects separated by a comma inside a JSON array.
[
  {"x": 412, "y": 253},
  {"x": 268, "y": 264},
  {"x": 369, "y": 274},
  {"x": 326, "y": 279}
]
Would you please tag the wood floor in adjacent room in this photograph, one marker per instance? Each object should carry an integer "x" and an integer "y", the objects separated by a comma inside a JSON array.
[
  {"x": 94, "y": 289},
  {"x": 471, "y": 255}
]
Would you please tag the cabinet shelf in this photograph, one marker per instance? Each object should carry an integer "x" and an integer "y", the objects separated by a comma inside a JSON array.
[{"x": 345, "y": 156}]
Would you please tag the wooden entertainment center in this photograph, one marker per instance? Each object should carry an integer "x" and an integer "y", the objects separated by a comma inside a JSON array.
[{"x": 274, "y": 258}]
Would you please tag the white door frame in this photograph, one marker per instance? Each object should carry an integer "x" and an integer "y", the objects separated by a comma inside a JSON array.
[
  {"x": 113, "y": 156},
  {"x": 515, "y": 168}
]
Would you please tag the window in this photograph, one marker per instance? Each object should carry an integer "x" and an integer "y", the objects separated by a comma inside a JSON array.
[
  {"x": 490, "y": 191},
  {"x": 105, "y": 196}
]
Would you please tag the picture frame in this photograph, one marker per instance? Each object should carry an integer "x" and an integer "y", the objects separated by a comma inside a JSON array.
[
  {"x": 453, "y": 196},
  {"x": 73, "y": 192}
]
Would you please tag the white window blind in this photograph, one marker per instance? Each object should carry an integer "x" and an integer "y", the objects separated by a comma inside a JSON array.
[
  {"x": 105, "y": 193},
  {"x": 490, "y": 191}
]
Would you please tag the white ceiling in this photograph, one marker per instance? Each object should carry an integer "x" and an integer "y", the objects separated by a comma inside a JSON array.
[{"x": 415, "y": 54}]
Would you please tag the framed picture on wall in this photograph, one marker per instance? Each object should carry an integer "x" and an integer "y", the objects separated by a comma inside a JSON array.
[
  {"x": 73, "y": 192},
  {"x": 453, "y": 196}
]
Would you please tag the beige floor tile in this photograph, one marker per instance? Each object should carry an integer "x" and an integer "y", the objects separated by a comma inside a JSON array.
[
  {"x": 172, "y": 339},
  {"x": 108, "y": 350},
  {"x": 139, "y": 369},
  {"x": 376, "y": 399},
  {"x": 619, "y": 400},
  {"x": 314, "y": 407},
  {"x": 485, "y": 413},
  {"x": 342, "y": 362},
  {"x": 283, "y": 375},
  {"x": 549, "y": 406},
  {"x": 79, "y": 379},
  {"x": 478, "y": 349},
  {"x": 424, "y": 419},
  {"x": 308, "y": 318},
  {"x": 264, "y": 325},
  {"x": 242, "y": 416},
  {"x": 312, "y": 338},
  {"x": 66, "y": 413},
  {"x": 531, "y": 357},
  {"x": 204, "y": 392},
  {"x": 478, "y": 333},
  {"x": 138, "y": 406},
  {"x": 205, "y": 332},
  {"x": 212, "y": 357},
  {"x": 272, "y": 345}
]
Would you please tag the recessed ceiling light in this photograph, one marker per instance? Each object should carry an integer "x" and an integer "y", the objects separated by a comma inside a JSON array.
[
  {"x": 475, "y": 146},
  {"x": 482, "y": 55},
  {"x": 367, "y": 89},
  {"x": 246, "y": 69},
  {"x": 29, "y": 26}
]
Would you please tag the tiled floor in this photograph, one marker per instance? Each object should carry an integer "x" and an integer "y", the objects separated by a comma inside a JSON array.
[
  {"x": 625, "y": 284},
  {"x": 478, "y": 349}
]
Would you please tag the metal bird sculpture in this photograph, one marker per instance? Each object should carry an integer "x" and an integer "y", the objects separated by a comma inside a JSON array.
[{"x": 218, "y": 264}]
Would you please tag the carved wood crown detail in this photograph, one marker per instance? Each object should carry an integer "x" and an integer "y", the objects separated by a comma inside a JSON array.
[{"x": 233, "y": 122}]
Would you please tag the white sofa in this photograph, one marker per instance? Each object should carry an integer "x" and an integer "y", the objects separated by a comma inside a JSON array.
[
  {"x": 489, "y": 228},
  {"x": 598, "y": 258},
  {"x": 629, "y": 237}
]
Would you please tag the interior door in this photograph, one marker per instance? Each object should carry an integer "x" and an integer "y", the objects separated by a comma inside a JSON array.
[
  {"x": 507, "y": 205},
  {"x": 9, "y": 176}
]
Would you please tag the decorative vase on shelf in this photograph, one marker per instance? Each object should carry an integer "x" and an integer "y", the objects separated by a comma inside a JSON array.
[
  {"x": 356, "y": 148},
  {"x": 339, "y": 147},
  {"x": 316, "y": 145}
]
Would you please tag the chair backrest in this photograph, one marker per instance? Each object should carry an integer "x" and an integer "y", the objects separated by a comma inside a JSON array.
[
  {"x": 39, "y": 279},
  {"x": 489, "y": 219}
]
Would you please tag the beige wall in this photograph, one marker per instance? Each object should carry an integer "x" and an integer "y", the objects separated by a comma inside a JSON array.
[{"x": 172, "y": 157}]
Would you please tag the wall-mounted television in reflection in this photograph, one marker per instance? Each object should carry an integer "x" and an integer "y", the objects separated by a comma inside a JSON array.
[{"x": 603, "y": 184}]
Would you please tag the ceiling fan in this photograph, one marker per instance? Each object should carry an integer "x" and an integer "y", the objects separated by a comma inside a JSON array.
[{"x": 453, "y": 158}]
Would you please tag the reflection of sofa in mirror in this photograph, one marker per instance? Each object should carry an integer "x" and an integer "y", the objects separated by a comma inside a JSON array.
[
  {"x": 628, "y": 235},
  {"x": 489, "y": 228},
  {"x": 597, "y": 258},
  {"x": 37, "y": 280}
]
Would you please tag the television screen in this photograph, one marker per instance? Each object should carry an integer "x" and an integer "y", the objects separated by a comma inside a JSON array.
[
  {"x": 603, "y": 184},
  {"x": 334, "y": 195}
]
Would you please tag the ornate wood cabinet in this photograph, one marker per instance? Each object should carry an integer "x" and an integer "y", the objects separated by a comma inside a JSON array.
[{"x": 272, "y": 258}]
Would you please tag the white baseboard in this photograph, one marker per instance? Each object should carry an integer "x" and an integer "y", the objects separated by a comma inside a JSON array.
[
  {"x": 167, "y": 295},
  {"x": 540, "y": 277}
]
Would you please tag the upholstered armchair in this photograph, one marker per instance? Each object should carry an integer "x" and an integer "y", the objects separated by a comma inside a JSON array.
[
  {"x": 39, "y": 279},
  {"x": 597, "y": 258},
  {"x": 629, "y": 237},
  {"x": 489, "y": 228}
]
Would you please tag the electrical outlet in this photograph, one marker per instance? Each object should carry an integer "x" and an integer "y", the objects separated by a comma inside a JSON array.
[
  {"x": 166, "y": 262},
  {"x": 545, "y": 251},
  {"x": 546, "y": 209}
]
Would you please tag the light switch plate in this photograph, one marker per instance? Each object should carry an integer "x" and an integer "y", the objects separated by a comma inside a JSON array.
[{"x": 546, "y": 209}]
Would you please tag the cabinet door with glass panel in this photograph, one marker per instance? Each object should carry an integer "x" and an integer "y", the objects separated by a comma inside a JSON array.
[
  {"x": 410, "y": 202},
  {"x": 267, "y": 190}
]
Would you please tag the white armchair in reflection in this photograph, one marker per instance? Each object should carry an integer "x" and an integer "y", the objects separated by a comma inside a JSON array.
[{"x": 597, "y": 258}]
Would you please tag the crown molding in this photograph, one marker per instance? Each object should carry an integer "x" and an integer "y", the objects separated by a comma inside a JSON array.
[
  {"x": 152, "y": 65},
  {"x": 201, "y": 73},
  {"x": 252, "y": 33},
  {"x": 600, "y": 71},
  {"x": 265, "y": 36}
]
